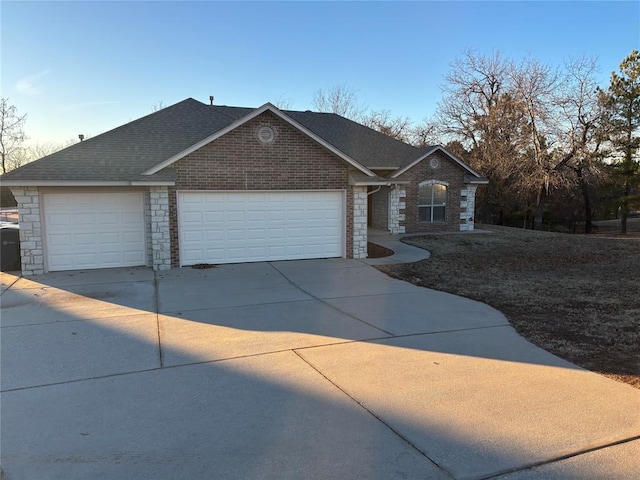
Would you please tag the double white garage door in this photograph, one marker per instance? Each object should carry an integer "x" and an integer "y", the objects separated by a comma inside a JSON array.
[
  {"x": 232, "y": 227},
  {"x": 101, "y": 230}
]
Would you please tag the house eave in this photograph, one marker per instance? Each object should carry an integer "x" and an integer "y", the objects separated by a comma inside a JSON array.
[
  {"x": 476, "y": 180},
  {"x": 374, "y": 182},
  {"x": 440, "y": 148},
  {"x": 83, "y": 183}
]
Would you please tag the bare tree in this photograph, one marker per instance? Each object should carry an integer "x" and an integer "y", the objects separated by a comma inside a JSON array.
[
  {"x": 339, "y": 99},
  {"x": 426, "y": 134},
  {"x": 534, "y": 85},
  {"x": 157, "y": 106},
  {"x": 581, "y": 116},
  {"x": 384, "y": 122},
  {"x": 480, "y": 110},
  {"x": 11, "y": 134},
  {"x": 526, "y": 126},
  {"x": 283, "y": 102}
]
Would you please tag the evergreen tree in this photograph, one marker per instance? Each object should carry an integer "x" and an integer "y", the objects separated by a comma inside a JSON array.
[{"x": 622, "y": 125}]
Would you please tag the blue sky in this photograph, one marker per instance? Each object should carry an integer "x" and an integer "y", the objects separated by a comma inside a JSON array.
[{"x": 87, "y": 67}]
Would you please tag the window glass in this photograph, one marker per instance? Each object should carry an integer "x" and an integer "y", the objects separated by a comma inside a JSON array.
[{"x": 432, "y": 203}]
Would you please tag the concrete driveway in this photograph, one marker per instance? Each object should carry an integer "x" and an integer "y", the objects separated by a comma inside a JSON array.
[{"x": 321, "y": 369}]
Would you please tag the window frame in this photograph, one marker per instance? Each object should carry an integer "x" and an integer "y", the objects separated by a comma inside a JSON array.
[{"x": 431, "y": 205}]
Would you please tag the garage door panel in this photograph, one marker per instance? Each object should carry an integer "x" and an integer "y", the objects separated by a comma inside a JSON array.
[
  {"x": 259, "y": 226},
  {"x": 59, "y": 220},
  {"x": 130, "y": 238},
  {"x": 88, "y": 230},
  {"x": 134, "y": 256}
]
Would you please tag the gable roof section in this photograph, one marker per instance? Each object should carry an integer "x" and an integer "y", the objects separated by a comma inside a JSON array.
[
  {"x": 121, "y": 155},
  {"x": 138, "y": 152},
  {"x": 250, "y": 116},
  {"x": 369, "y": 147},
  {"x": 472, "y": 177}
]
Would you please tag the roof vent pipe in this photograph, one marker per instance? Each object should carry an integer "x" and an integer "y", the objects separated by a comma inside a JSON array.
[
  {"x": 211, "y": 99},
  {"x": 81, "y": 137}
]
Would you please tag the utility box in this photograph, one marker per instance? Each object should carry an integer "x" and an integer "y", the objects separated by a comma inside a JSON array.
[{"x": 10, "y": 248}]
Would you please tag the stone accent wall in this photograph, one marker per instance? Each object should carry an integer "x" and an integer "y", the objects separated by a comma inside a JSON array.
[
  {"x": 147, "y": 228},
  {"x": 359, "y": 222},
  {"x": 397, "y": 207},
  {"x": 240, "y": 161},
  {"x": 31, "y": 241},
  {"x": 160, "y": 233},
  {"x": 467, "y": 207},
  {"x": 447, "y": 172},
  {"x": 380, "y": 208}
]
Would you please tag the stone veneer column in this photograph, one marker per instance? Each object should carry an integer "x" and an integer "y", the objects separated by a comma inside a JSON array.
[
  {"x": 160, "y": 237},
  {"x": 31, "y": 246},
  {"x": 359, "y": 222},
  {"x": 467, "y": 207},
  {"x": 397, "y": 197}
]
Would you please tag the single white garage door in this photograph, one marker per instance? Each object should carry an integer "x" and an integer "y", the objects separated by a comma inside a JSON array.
[
  {"x": 234, "y": 227},
  {"x": 94, "y": 230}
]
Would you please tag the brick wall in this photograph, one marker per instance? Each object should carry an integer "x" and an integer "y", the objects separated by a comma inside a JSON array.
[
  {"x": 379, "y": 204},
  {"x": 240, "y": 161},
  {"x": 448, "y": 172}
]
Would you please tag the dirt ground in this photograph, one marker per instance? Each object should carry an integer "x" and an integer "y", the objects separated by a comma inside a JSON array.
[{"x": 576, "y": 296}]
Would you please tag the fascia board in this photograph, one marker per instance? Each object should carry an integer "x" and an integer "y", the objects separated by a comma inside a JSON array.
[
  {"x": 63, "y": 183},
  {"x": 363, "y": 183},
  {"x": 83, "y": 183},
  {"x": 430, "y": 152}
]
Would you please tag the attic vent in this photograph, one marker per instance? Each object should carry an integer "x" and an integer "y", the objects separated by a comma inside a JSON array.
[
  {"x": 266, "y": 134},
  {"x": 434, "y": 163}
]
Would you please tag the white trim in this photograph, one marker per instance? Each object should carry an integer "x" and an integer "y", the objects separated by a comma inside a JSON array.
[
  {"x": 142, "y": 183},
  {"x": 83, "y": 183},
  {"x": 432, "y": 205},
  {"x": 433, "y": 182},
  {"x": 384, "y": 183},
  {"x": 62, "y": 183},
  {"x": 429, "y": 153},
  {"x": 276, "y": 111}
]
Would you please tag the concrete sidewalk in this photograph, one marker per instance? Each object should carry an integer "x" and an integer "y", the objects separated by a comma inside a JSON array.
[
  {"x": 402, "y": 252},
  {"x": 287, "y": 370}
]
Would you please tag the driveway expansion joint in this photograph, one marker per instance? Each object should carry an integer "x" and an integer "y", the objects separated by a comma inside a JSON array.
[
  {"x": 12, "y": 284},
  {"x": 379, "y": 419},
  {"x": 321, "y": 300},
  {"x": 559, "y": 458},
  {"x": 156, "y": 303}
]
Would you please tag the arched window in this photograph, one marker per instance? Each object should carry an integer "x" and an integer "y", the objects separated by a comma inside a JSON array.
[{"x": 432, "y": 202}]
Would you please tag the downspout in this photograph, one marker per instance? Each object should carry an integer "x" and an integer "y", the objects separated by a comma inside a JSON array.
[{"x": 374, "y": 191}]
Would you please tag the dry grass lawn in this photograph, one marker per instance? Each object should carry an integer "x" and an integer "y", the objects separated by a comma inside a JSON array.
[{"x": 576, "y": 296}]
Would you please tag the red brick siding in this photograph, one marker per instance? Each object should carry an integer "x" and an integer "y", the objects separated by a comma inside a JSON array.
[
  {"x": 379, "y": 208},
  {"x": 448, "y": 172},
  {"x": 239, "y": 161}
]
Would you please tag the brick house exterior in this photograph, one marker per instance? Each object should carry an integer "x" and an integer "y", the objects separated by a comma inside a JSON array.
[
  {"x": 292, "y": 162},
  {"x": 115, "y": 199}
]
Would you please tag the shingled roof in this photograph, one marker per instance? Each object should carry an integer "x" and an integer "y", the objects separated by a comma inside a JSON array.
[{"x": 123, "y": 154}]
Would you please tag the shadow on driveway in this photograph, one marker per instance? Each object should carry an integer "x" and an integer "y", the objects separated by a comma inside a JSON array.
[{"x": 304, "y": 369}]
